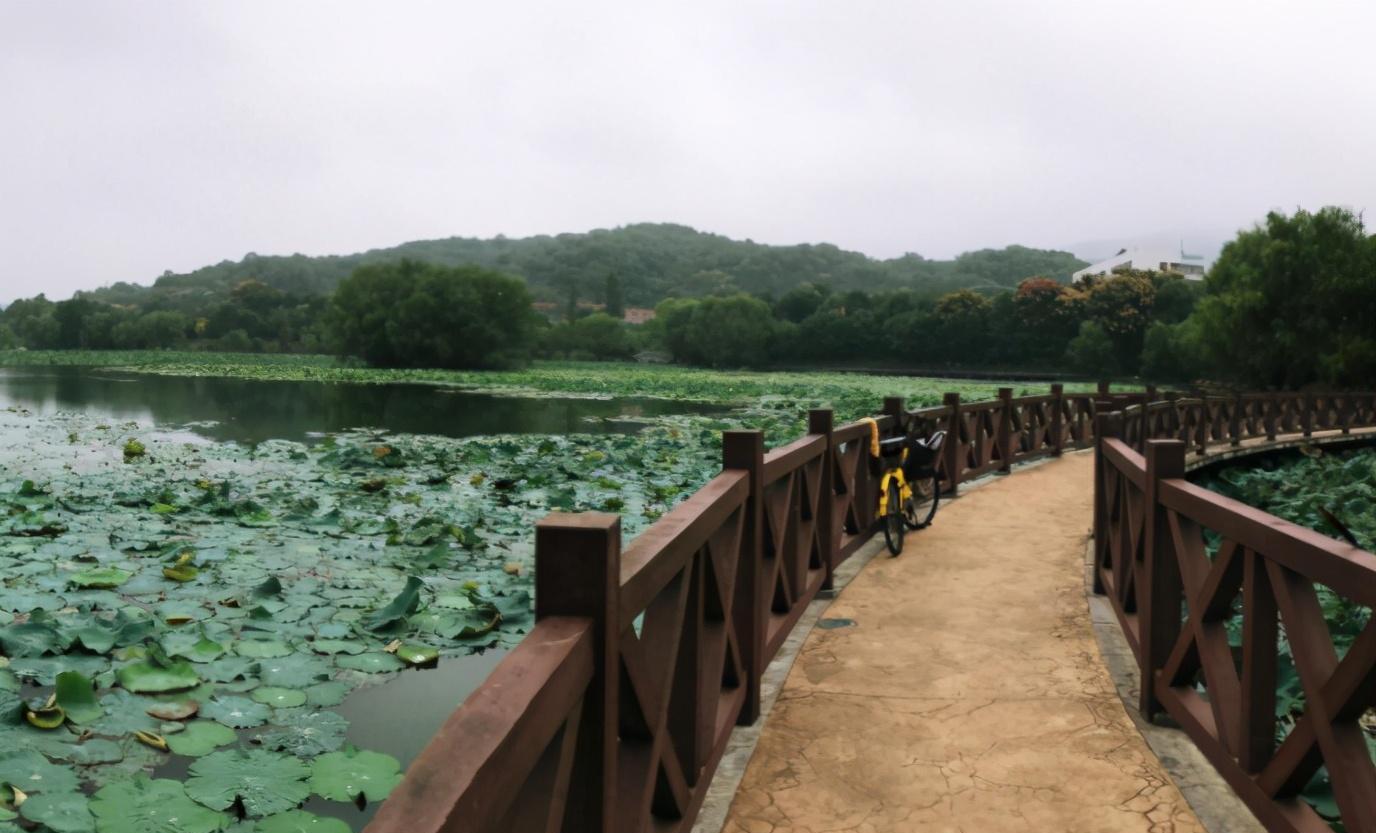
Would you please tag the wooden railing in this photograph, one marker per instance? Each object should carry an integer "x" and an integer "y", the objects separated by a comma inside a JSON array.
[
  {"x": 1175, "y": 602},
  {"x": 613, "y": 713}
]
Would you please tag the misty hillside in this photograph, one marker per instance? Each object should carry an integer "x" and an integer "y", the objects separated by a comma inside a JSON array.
[{"x": 653, "y": 261}]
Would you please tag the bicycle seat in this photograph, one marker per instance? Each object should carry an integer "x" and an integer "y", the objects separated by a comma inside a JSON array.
[{"x": 892, "y": 447}]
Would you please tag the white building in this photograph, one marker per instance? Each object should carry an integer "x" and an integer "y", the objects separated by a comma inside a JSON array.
[{"x": 1147, "y": 258}]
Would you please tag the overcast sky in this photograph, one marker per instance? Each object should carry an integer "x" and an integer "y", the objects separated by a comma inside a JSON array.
[{"x": 138, "y": 137}]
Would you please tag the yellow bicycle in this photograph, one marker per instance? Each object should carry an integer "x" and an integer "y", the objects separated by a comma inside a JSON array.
[{"x": 909, "y": 485}]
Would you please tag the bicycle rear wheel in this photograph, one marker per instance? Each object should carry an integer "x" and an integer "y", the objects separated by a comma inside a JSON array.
[
  {"x": 919, "y": 511},
  {"x": 893, "y": 520}
]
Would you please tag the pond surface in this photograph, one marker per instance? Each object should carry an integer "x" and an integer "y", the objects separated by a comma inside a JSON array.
[
  {"x": 396, "y": 717},
  {"x": 249, "y": 411}
]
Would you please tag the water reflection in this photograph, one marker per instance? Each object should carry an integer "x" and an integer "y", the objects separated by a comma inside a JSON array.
[{"x": 251, "y": 411}]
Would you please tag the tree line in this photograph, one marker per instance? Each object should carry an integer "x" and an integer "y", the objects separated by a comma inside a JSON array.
[{"x": 1288, "y": 303}]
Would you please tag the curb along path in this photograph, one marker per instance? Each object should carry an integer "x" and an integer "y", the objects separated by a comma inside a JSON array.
[{"x": 969, "y": 695}]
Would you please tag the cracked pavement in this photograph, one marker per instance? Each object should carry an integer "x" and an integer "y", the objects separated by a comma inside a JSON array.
[{"x": 969, "y": 695}]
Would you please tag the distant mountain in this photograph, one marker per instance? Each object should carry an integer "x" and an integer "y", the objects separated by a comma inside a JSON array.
[{"x": 652, "y": 261}]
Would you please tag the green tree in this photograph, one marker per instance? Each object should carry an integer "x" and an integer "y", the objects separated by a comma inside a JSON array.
[
  {"x": 1093, "y": 351},
  {"x": 613, "y": 297},
  {"x": 1292, "y": 301},
  {"x": 409, "y": 314},
  {"x": 596, "y": 336}
]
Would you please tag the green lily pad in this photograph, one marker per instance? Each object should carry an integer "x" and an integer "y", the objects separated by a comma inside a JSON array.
[
  {"x": 201, "y": 737},
  {"x": 263, "y": 782},
  {"x": 236, "y": 712},
  {"x": 45, "y": 717},
  {"x": 142, "y": 805},
  {"x": 337, "y": 646},
  {"x": 300, "y": 821},
  {"x": 181, "y": 573},
  {"x": 295, "y": 671},
  {"x": 327, "y": 694},
  {"x": 405, "y": 603},
  {"x": 33, "y": 773},
  {"x": 76, "y": 695},
  {"x": 100, "y": 577},
  {"x": 348, "y": 774},
  {"x": 310, "y": 735},
  {"x": 125, "y": 714},
  {"x": 279, "y": 698},
  {"x": 375, "y": 662},
  {"x": 262, "y": 648},
  {"x": 415, "y": 654},
  {"x": 60, "y": 812},
  {"x": 147, "y": 677}
]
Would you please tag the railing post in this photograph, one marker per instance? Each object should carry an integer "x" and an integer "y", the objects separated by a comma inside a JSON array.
[
  {"x": 1057, "y": 419},
  {"x": 1159, "y": 611},
  {"x": 1257, "y": 740},
  {"x": 1307, "y": 415},
  {"x": 1151, "y": 393},
  {"x": 893, "y": 407},
  {"x": 1205, "y": 424},
  {"x": 750, "y": 611},
  {"x": 1103, "y": 389},
  {"x": 578, "y": 573},
  {"x": 1272, "y": 407},
  {"x": 1234, "y": 426},
  {"x": 952, "y": 450},
  {"x": 820, "y": 421},
  {"x": 1005, "y": 429},
  {"x": 1103, "y": 429}
]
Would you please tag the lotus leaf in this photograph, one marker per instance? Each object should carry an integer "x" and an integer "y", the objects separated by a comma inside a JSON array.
[
  {"x": 374, "y": 662},
  {"x": 280, "y": 698},
  {"x": 31, "y": 639},
  {"x": 263, "y": 782},
  {"x": 310, "y": 735},
  {"x": 350, "y": 773},
  {"x": 175, "y": 710},
  {"x": 200, "y": 737},
  {"x": 60, "y": 812},
  {"x": 300, "y": 821},
  {"x": 236, "y": 712},
  {"x": 414, "y": 654},
  {"x": 33, "y": 773},
  {"x": 262, "y": 648},
  {"x": 125, "y": 714},
  {"x": 296, "y": 671},
  {"x": 101, "y": 577},
  {"x": 147, "y": 676},
  {"x": 76, "y": 695},
  {"x": 142, "y": 805},
  {"x": 181, "y": 573},
  {"x": 326, "y": 694},
  {"x": 405, "y": 603},
  {"x": 337, "y": 646}
]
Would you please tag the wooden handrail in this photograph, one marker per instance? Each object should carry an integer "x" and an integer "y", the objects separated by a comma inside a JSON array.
[{"x": 613, "y": 712}]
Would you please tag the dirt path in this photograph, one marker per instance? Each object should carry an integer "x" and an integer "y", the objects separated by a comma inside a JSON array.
[{"x": 969, "y": 694}]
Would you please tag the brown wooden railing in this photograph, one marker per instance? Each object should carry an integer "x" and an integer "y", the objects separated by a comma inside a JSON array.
[
  {"x": 1175, "y": 601},
  {"x": 613, "y": 713}
]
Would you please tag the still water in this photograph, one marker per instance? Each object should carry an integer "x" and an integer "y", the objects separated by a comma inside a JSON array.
[{"x": 249, "y": 411}]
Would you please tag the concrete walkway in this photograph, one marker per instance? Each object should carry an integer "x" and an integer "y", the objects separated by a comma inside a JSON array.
[{"x": 969, "y": 694}]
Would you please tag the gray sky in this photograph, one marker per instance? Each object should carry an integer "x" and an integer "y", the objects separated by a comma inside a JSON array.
[{"x": 138, "y": 136}]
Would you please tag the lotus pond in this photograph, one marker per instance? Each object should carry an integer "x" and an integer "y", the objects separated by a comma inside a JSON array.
[
  {"x": 223, "y": 605},
  {"x": 1331, "y": 492}
]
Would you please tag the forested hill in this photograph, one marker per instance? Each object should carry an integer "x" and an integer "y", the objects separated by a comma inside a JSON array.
[{"x": 652, "y": 261}]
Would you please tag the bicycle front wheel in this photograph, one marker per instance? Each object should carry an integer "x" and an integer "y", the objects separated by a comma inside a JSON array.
[
  {"x": 919, "y": 511},
  {"x": 893, "y": 520}
]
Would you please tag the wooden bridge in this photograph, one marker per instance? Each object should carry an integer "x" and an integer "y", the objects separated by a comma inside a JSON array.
[{"x": 614, "y": 712}]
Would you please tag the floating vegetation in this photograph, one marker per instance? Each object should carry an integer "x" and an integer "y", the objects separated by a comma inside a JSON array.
[{"x": 214, "y": 602}]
